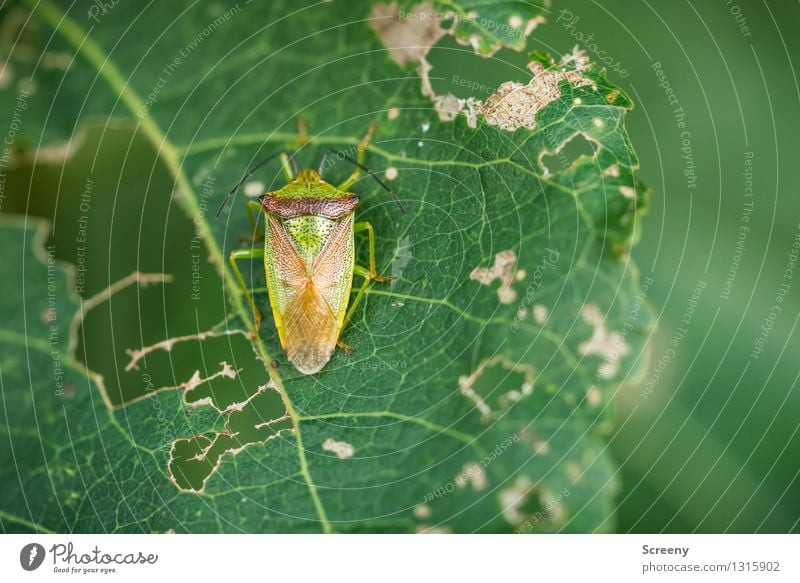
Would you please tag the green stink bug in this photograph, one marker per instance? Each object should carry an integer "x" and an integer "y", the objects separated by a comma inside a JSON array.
[{"x": 309, "y": 257}]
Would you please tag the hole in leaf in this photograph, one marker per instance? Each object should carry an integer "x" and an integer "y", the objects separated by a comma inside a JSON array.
[
  {"x": 532, "y": 504},
  {"x": 566, "y": 154},
  {"x": 500, "y": 386}
]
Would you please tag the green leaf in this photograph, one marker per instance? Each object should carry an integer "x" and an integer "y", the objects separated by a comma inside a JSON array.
[
  {"x": 479, "y": 394},
  {"x": 490, "y": 27}
]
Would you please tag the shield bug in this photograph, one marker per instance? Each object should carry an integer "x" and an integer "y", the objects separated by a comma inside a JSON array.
[{"x": 309, "y": 256}]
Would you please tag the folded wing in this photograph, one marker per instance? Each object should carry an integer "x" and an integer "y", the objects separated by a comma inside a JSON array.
[
  {"x": 311, "y": 330},
  {"x": 309, "y": 323}
]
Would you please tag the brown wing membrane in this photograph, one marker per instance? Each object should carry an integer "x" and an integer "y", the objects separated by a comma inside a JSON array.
[
  {"x": 311, "y": 330},
  {"x": 290, "y": 266},
  {"x": 310, "y": 325},
  {"x": 328, "y": 264}
]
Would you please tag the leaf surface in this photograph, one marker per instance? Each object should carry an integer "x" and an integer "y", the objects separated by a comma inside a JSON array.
[{"x": 479, "y": 394}]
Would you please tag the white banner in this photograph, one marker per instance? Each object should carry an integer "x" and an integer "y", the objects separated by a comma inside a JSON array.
[{"x": 355, "y": 558}]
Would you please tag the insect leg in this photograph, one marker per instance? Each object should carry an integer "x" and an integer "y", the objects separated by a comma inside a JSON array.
[
  {"x": 368, "y": 275},
  {"x": 361, "y": 272},
  {"x": 345, "y": 346},
  {"x": 361, "y": 152},
  {"x": 236, "y": 255},
  {"x": 355, "y": 175},
  {"x": 287, "y": 165},
  {"x": 359, "y": 166},
  {"x": 251, "y": 205},
  {"x": 373, "y": 272},
  {"x": 302, "y": 133}
]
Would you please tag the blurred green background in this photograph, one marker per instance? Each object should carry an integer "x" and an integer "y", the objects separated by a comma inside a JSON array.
[{"x": 709, "y": 441}]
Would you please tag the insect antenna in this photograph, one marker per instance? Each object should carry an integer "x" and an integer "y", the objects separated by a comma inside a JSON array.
[
  {"x": 369, "y": 172},
  {"x": 252, "y": 171}
]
